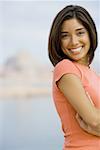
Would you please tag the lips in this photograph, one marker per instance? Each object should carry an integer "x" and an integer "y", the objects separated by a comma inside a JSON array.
[{"x": 75, "y": 50}]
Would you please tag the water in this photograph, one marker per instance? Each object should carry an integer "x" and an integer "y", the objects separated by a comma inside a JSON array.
[{"x": 29, "y": 124}]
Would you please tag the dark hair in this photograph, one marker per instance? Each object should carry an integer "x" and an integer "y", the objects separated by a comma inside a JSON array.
[{"x": 69, "y": 12}]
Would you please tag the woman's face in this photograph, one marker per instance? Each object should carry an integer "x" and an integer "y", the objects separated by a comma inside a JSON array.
[{"x": 75, "y": 41}]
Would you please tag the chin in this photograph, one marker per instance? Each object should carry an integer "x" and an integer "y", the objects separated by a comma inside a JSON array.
[{"x": 75, "y": 59}]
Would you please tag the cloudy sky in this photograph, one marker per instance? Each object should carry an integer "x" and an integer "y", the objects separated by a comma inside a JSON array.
[{"x": 25, "y": 25}]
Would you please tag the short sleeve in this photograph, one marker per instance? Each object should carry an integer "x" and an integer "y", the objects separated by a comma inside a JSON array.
[{"x": 64, "y": 67}]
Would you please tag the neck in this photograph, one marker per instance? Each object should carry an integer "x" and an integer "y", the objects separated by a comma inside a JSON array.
[{"x": 84, "y": 61}]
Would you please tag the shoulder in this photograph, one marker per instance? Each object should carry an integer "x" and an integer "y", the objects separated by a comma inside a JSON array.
[
  {"x": 66, "y": 66},
  {"x": 64, "y": 62}
]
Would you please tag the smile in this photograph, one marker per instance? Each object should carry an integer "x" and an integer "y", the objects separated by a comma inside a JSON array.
[{"x": 75, "y": 49}]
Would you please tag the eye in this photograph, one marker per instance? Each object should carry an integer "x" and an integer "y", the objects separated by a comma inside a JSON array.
[
  {"x": 80, "y": 33},
  {"x": 64, "y": 36}
]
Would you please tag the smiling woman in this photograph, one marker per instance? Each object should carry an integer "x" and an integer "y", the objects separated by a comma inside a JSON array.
[
  {"x": 72, "y": 44},
  {"x": 75, "y": 41}
]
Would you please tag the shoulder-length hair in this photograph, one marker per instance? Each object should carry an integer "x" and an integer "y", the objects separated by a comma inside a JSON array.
[{"x": 54, "y": 48}]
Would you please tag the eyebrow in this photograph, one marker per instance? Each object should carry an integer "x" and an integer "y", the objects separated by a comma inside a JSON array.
[
  {"x": 76, "y": 30},
  {"x": 80, "y": 29}
]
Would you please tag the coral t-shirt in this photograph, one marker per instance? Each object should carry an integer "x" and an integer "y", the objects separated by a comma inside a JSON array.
[{"x": 75, "y": 138}]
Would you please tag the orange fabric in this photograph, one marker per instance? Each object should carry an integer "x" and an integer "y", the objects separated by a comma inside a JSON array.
[{"x": 74, "y": 137}]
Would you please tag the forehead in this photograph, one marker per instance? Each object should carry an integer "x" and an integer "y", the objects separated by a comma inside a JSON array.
[{"x": 71, "y": 24}]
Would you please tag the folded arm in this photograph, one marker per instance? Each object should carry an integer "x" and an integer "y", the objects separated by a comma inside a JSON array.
[
  {"x": 70, "y": 85},
  {"x": 86, "y": 127}
]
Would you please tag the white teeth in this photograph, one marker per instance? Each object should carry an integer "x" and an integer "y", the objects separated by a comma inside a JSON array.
[{"x": 76, "y": 49}]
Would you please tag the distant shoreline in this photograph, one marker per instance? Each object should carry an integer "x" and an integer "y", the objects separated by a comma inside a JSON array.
[{"x": 19, "y": 92}]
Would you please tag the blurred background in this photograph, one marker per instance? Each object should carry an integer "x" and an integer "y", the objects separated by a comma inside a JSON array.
[{"x": 28, "y": 119}]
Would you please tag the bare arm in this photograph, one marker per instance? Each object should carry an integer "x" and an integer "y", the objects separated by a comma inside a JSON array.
[
  {"x": 86, "y": 127},
  {"x": 71, "y": 86}
]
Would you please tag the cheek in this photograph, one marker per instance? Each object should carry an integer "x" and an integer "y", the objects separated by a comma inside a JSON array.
[
  {"x": 86, "y": 40},
  {"x": 88, "y": 43},
  {"x": 63, "y": 47},
  {"x": 64, "y": 44}
]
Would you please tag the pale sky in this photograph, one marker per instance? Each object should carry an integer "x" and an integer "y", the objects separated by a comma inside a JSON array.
[{"x": 25, "y": 25}]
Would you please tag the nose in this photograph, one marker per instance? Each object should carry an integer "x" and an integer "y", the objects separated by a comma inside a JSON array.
[{"x": 74, "y": 40}]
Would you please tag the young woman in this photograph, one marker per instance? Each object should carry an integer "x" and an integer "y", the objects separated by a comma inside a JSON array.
[{"x": 76, "y": 87}]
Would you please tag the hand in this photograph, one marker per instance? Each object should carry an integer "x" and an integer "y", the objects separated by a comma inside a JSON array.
[{"x": 86, "y": 127}]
